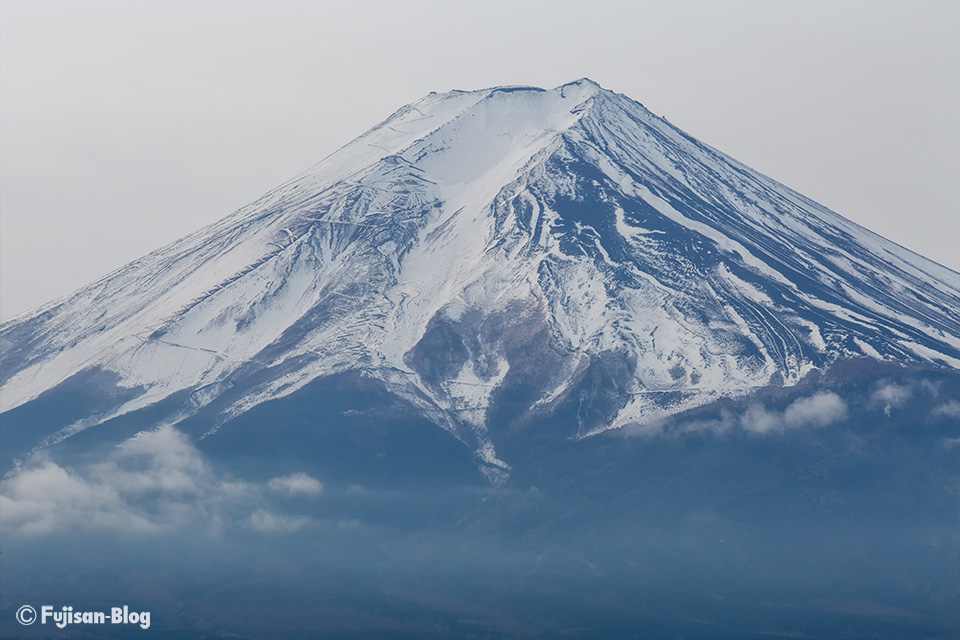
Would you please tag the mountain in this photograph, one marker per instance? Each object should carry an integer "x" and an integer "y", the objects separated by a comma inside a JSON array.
[
  {"x": 513, "y": 363},
  {"x": 510, "y": 243}
]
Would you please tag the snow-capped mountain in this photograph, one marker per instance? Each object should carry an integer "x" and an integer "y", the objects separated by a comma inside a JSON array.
[{"x": 482, "y": 249}]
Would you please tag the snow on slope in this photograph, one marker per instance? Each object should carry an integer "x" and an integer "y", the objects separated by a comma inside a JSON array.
[{"x": 494, "y": 215}]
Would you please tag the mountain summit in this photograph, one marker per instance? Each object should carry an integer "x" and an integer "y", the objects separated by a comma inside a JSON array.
[{"x": 483, "y": 257}]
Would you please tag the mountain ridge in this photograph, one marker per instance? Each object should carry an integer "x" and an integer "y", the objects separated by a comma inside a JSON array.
[{"x": 472, "y": 234}]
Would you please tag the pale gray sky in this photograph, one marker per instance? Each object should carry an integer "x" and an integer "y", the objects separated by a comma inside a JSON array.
[{"x": 125, "y": 125}]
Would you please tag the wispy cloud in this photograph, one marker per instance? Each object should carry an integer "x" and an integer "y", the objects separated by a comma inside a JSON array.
[
  {"x": 722, "y": 424},
  {"x": 819, "y": 410},
  {"x": 949, "y": 409},
  {"x": 950, "y": 443},
  {"x": 156, "y": 481},
  {"x": 296, "y": 484},
  {"x": 47, "y": 497},
  {"x": 816, "y": 411},
  {"x": 269, "y": 522},
  {"x": 892, "y": 396}
]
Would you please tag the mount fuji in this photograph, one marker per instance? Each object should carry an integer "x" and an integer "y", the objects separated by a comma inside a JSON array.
[
  {"x": 510, "y": 245},
  {"x": 572, "y": 310}
]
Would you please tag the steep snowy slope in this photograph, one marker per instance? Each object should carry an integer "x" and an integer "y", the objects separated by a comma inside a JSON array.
[{"x": 479, "y": 245}]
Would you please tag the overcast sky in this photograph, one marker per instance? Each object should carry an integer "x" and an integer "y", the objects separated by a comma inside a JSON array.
[{"x": 125, "y": 125}]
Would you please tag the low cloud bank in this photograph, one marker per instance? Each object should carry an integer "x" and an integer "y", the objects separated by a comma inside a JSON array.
[
  {"x": 820, "y": 410},
  {"x": 812, "y": 412},
  {"x": 156, "y": 481}
]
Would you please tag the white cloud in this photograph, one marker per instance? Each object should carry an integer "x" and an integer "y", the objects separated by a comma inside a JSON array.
[
  {"x": 816, "y": 411},
  {"x": 819, "y": 410},
  {"x": 892, "y": 396},
  {"x": 758, "y": 420},
  {"x": 949, "y": 409},
  {"x": 296, "y": 484},
  {"x": 931, "y": 388},
  {"x": 268, "y": 522},
  {"x": 155, "y": 481},
  {"x": 723, "y": 424},
  {"x": 156, "y": 462},
  {"x": 47, "y": 497},
  {"x": 650, "y": 429}
]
